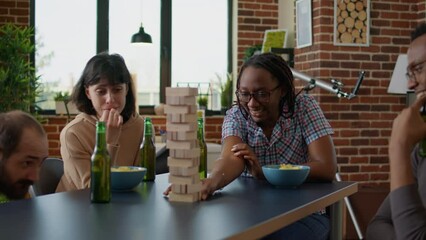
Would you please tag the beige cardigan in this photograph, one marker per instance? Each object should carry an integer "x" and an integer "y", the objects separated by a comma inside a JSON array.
[{"x": 78, "y": 140}]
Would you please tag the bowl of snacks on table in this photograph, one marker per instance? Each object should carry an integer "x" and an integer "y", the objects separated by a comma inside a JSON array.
[
  {"x": 125, "y": 178},
  {"x": 286, "y": 175}
]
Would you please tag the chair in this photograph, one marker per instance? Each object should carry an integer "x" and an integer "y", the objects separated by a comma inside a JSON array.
[
  {"x": 51, "y": 172},
  {"x": 351, "y": 211}
]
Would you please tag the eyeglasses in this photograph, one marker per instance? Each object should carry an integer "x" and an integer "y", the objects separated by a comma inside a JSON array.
[
  {"x": 415, "y": 70},
  {"x": 260, "y": 96}
]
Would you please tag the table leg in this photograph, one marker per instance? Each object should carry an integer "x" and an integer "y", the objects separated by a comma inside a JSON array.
[{"x": 336, "y": 220}]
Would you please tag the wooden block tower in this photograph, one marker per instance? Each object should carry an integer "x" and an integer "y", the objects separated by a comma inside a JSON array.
[{"x": 184, "y": 153}]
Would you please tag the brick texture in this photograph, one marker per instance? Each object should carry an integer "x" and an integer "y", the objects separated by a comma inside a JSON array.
[
  {"x": 16, "y": 11},
  {"x": 54, "y": 124}
]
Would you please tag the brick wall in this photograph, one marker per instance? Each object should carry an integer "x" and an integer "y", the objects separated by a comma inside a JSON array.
[
  {"x": 362, "y": 125},
  {"x": 53, "y": 126},
  {"x": 254, "y": 17},
  {"x": 17, "y": 11}
]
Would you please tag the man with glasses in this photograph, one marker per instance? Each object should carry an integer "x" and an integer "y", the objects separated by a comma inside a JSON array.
[
  {"x": 402, "y": 214},
  {"x": 271, "y": 124},
  {"x": 23, "y": 147}
]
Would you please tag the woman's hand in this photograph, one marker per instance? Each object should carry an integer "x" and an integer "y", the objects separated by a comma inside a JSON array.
[
  {"x": 208, "y": 187},
  {"x": 113, "y": 121},
  {"x": 244, "y": 151}
]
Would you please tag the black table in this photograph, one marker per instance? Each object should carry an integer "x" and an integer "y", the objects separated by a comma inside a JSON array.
[{"x": 245, "y": 209}]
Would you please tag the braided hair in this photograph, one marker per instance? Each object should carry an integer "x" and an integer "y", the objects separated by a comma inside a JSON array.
[{"x": 278, "y": 67}]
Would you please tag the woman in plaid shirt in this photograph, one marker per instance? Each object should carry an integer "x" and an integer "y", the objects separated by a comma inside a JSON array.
[{"x": 271, "y": 124}]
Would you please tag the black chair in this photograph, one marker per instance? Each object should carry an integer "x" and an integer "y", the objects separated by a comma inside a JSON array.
[{"x": 51, "y": 172}]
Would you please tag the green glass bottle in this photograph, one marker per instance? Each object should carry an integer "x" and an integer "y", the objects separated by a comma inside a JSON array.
[
  {"x": 422, "y": 147},
  {"x": 100, "y": 172},
  {"x": 147, "y": 151},
  {"x": 203, "y": 149}
]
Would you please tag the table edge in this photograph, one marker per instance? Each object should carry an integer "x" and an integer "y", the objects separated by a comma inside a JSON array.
[{"x": 283, "y": 220}]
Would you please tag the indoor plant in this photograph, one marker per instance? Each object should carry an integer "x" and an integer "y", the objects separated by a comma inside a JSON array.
[
  {"x": 18, "y": 83},
  {"x": 226, "y": 93},
  {"x": 63, "y": 104},
  {"x": 202, "y": 101}
]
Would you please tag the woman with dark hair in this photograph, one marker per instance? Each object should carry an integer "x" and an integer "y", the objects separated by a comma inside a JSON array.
[
  {"x": 271, "y": 124},
  {"x": 104, "y": 92}
]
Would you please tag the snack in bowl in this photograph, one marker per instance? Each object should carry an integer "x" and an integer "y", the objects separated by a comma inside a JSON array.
[
  {"x": 125, "y": 178},
  {"x": 286, "y": 175}
]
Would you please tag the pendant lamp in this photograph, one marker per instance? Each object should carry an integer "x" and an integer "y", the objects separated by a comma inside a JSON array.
[{"x": 141, "y": 36}]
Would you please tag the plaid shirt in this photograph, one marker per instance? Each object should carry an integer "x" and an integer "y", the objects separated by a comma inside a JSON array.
[{"x": 290, "y": 137}]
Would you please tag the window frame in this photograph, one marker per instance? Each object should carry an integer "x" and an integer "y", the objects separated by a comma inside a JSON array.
[{"x": 102, "y": 43}]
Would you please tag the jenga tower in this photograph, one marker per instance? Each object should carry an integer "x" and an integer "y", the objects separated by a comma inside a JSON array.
[{"x": 184, "y": 153}]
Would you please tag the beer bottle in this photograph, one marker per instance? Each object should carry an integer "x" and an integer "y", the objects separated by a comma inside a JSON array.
[
  {"x": 100, "y": 172},
  {"x": 147, "y": 151},
  {"x": 422, "y": 147},
  {"x": 203, "y": 148}
]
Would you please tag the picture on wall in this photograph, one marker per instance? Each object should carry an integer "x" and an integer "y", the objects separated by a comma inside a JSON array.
[
  {"x": 303, "y": 23},
  {"x": 274, "y": 39},
  {"x": 351, "y": 22}
]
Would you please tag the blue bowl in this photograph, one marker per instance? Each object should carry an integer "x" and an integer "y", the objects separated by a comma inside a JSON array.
[
  {"x": 289, "y": 177},
  {"x": 125, "y": 178}
]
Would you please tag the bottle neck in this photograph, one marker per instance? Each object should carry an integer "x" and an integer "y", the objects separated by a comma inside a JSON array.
[
  {"x": 100, "y": 135},
  {"x": 200, "y": 132},
  {"x": 147, "y": 131}
]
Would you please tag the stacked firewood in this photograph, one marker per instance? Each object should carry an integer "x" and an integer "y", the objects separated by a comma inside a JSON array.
[{"x": 351, "y": 21}]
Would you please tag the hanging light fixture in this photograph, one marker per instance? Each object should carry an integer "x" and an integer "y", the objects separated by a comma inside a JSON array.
[{"x": 141, "y": 36}]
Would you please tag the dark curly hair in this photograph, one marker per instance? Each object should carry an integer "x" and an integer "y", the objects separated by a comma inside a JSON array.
[
  {"x": 104, "y": 66},
  {"x": 419, "y": 31},
  {"x": 278, "y": 67}
]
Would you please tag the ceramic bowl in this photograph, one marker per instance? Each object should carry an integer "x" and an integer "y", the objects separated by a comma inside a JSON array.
[
  {"x": 289, "y": 176},
  {"x": 125, "y": 178}
]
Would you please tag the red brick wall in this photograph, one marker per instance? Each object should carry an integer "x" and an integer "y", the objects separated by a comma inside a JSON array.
[
  {"x": 54, "y": 124},
  {"x": 17, "y": 11},
  {"x": 254, "y": 17},
  {"x": 362, "y": 125}
]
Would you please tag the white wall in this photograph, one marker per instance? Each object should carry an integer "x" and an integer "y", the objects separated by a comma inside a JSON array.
[{"x": 286, "y": 19}]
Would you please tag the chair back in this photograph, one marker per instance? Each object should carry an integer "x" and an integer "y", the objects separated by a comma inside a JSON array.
[{"x": 51, "y": 172}]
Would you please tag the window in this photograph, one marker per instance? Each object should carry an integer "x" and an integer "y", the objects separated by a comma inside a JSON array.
[
  {"x": 64, "y": 43},
  {"x": 199, "y": 44},
  {"x": 143, "y": 60}
]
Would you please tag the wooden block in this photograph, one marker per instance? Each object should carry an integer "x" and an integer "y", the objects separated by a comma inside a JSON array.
[
  {"x": 187, "y": 144},
  {"x": 181, "y": 136},
  {"x": 193, "y": 179},
  {"x": 181, "y": 91},
  {"x": 184, "y": 153},
  {"x": 183, "y": 171},
  {"x": 186, "y": 188},
  {"x": 190, "y": 197},
  {"x": 180, "y": 109},
  {"x": 182, "y": 127},
  {"x": 181, "y": 100},
  {"x": 181, "y": 118},
  {"x": 183, "y": 162}
]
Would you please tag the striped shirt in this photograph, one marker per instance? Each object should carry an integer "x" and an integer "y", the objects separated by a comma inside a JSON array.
[{"x": 290, "y": 137}]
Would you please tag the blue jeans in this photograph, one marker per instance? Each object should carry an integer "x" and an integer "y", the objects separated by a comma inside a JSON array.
[{"x": 314, "y": 226}]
